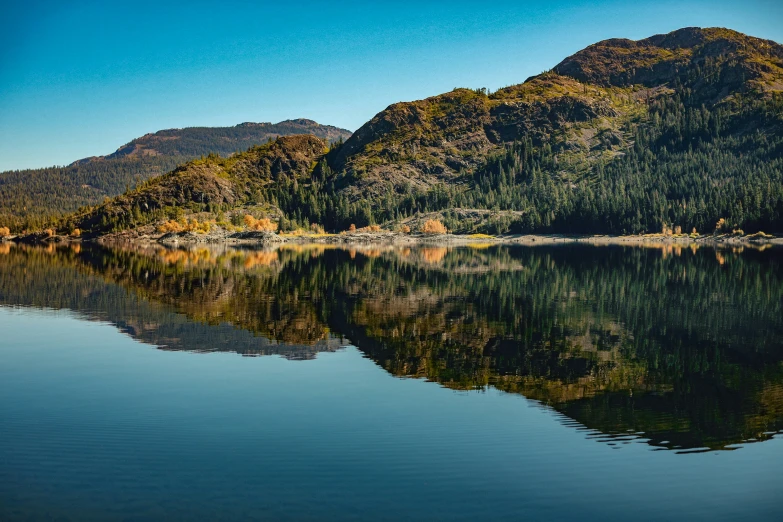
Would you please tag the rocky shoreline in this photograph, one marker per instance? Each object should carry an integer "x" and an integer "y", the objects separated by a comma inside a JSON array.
[{"x": 220, "y": 236}]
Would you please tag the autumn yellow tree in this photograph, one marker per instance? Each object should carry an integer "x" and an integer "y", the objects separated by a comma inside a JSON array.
[
  {"x": 261, "y": 225},
  {"x": 433, "y": 226},
  {"x": 170, "y": 226}
]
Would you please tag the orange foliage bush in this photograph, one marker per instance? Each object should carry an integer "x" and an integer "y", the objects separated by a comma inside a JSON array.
[
  {"x": 370, "y": 228},
  {"x": 49, "y": 232},
  {"x": 184, "y": 225},
  {"x": 261, "y": 225},
  {"x": 266, "y": 225},
  {"x": 405, "y": 229},
  {"x": 76, "y": 232},
  {"x": 433, "y": 226},
  {"x": 352, "y": 228},
  {"x": 170, "y": 226},
  {"x": 203, "y": 228},
  {"x": 5, "y": 231}
]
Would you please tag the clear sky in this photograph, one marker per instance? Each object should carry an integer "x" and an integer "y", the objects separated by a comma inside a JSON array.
[{"x": 80, "y": 79}]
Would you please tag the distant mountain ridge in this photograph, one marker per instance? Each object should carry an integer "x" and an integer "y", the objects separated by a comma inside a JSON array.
[
  {"x": 31, "y": 196},
  {"x": 191, "y": 141}
]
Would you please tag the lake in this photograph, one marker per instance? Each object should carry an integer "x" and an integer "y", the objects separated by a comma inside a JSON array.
[{"x": 310, "y": 382}]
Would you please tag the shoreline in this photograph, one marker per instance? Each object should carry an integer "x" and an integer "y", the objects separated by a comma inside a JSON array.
[{"x": 396, "y": 238}]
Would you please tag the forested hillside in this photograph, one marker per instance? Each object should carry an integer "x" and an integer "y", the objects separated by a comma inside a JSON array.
[
  {"x": 28, "y": 198},
  {"x": 680, "y": 129},
  {"x": 677, "y": 131}
]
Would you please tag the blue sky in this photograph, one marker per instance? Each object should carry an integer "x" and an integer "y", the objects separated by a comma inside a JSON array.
[{"x": 82, "y": 78}]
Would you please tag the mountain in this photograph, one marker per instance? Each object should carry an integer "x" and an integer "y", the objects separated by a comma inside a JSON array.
[
  {"x": 211, "y": 185},
  {"x": 26, "y": 196},
  {"x": 624, "y": 136},
  {"x": 676, "y": 130},
  {"x": 198, "y": 141}
]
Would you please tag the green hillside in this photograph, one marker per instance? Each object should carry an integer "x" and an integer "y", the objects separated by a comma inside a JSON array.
[
  {"x": 623, "y": 137},
  {"x": 29, "y": 197},
  {"x": 677, "y": 130}
]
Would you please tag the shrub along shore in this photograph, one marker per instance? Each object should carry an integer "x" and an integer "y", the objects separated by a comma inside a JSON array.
[{"x": 374, "y": 234}]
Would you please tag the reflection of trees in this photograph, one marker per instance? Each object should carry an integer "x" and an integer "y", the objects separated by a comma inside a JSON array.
[
  {"x": 686, "y": 350},
  {"x": 679, "y": 345},
  {"x": 154, "y": 301}
]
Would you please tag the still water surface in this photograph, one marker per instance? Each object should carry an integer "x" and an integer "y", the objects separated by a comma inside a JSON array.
[{"x": 567, "y": 382}]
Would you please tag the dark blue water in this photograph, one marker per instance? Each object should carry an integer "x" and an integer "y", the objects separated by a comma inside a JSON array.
[{"x": 97, "y": 425}]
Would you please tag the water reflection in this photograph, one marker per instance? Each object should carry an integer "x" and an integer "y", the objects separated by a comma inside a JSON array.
[{"x": 679, "y": 347}]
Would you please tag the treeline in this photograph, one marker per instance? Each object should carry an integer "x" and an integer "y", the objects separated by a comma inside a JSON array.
[
  {"x": 31, "y": 199},
  {"x": 35, "y": 198},
  {"x": 688, "y": 167}
]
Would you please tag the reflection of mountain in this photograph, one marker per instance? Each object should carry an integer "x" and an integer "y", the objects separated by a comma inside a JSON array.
[
  {"x": 81, "y": 281},
  {"x": 682, "y": 348}
]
